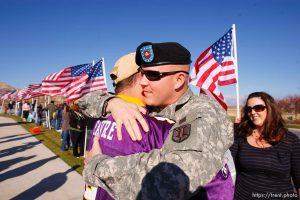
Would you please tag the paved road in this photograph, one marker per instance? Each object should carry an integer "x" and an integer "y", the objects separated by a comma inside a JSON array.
[{"x": 29, "y": 170}]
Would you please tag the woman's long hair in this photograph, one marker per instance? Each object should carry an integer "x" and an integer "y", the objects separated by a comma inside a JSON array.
[{"x": 273, "y": 127}]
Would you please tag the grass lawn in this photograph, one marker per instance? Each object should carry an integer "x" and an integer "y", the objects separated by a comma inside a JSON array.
[{"x": 51, "y": 139}]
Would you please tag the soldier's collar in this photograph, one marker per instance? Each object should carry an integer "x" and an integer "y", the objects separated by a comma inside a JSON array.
[
  {"x": 185, "y": 97},
  {"x": 170, "y": 110}
]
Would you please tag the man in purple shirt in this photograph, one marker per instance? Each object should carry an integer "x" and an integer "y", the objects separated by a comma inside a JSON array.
[{"x": 125, "y": 76}]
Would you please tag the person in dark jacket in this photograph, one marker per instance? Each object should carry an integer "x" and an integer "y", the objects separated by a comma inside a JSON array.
[
  {"x": 51, "y": 108},
  {"x": 39, "y": 114},
  {"x": 10, "y": 107},
  {"x": 65, "y": 129},
  {"x": 77, "y": 127}
]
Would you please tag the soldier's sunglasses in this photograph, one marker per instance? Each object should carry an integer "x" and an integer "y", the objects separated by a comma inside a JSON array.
[
  {"x": 256, "y": 108},
  {"x": 157, "y": 75}
]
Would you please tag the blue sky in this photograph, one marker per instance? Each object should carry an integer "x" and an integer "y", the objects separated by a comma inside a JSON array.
[{"x": 40, "y": 37}]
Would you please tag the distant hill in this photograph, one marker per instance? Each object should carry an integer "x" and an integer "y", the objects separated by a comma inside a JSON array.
[{"x": 5, "y": 88}]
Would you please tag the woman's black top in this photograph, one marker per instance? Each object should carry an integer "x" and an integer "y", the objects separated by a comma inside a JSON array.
[{"x": 267, "y": 173}]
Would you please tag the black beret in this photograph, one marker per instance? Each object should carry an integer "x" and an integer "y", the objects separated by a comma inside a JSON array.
[{"x": 153, "y": 54}]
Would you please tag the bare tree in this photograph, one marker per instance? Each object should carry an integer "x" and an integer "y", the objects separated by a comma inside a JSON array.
[{"x": 290, "y": 104}]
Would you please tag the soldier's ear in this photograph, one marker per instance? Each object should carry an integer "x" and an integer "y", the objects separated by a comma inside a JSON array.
[{"x": 180, "y": 80}]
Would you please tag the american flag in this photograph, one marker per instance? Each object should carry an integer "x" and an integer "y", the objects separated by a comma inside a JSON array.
[
  {"x": 9, "y": 95},
  {"x": 215, "y": 66},
  {"x": 13, "y": 95},
  {"x": 34, "y": 93},
  {"x": 76, "y": 81},
  {"x": 25, "y": 91}
]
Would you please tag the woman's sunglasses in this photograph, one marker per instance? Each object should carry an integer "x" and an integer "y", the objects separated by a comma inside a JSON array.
[
  {"x": 157, "y": 75},
  {"x": 256, "y": 108}
]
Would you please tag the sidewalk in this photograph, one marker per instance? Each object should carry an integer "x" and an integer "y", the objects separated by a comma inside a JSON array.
[{"x": 29, "y": 170}]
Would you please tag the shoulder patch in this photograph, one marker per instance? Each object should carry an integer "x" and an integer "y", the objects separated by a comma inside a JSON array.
[{"x": 181, "y": 133}]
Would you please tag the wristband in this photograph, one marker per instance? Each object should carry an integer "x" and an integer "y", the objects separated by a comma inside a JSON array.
[{"x": 105, "y": 104}]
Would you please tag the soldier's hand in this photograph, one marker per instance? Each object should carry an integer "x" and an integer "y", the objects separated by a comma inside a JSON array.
[{"x": 128, "y": 114}]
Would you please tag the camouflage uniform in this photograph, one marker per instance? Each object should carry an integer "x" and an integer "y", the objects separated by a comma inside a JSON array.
[{"x": 192, "y": 154}]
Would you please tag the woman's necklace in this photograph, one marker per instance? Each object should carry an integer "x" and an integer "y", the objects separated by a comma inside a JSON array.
[{"x": 256, "y": 135}]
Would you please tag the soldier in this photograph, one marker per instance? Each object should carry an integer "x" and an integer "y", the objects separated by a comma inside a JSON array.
[{"x": 194, "y": 150}]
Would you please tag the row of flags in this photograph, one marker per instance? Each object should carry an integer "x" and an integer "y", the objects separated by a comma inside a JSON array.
[
  {"x": 216, "y": 66},
  {"x": 72, "y": 82}
]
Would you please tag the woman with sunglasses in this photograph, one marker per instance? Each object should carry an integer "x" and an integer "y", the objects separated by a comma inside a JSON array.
[{"x": 266, "y": 154}]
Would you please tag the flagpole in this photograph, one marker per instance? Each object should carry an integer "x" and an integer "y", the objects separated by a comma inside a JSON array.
[
  {"x": 45, "y": 102},
  {"x": 236, "y": 71},
  {"x": 85, "y": 134},
  {"x": 22, "y": 108},
  {"x": 104, "y": 74},
  {"x": 48, "y": 120},
  {"x": 16, "y": 108},
  {"x": 85, "y": 141},
  {"x": 35, "y": 110},
  {"x": 2, "y": 105}
]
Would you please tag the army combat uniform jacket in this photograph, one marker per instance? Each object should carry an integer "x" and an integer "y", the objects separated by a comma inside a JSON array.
[{"x": 192, "y": 155}]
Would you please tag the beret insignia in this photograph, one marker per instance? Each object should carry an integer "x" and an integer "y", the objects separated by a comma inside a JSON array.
[
  {"x": 181, "y": 133},
  {"x": 147, "y": 53}
]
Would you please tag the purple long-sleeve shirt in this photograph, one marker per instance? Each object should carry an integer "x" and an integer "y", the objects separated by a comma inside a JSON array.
[{"x": 110, "y": 145}]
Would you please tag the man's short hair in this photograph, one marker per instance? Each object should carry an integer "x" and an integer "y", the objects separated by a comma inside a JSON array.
[{"x": 126, "y": 83}]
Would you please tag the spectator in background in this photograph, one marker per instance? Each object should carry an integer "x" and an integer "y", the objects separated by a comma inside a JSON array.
[
  {"x": 39, "y": 114},
  {"x": 266, "y": 154},
  {"x": 90, "y": 123},
  {"x": 10, "y": 107},
  {"x": 32, "y": 107},
  {"x": 59, "y": 114},
  {"x": 26, "y": 109},
  {"x": 65, "y": 135},
  {"x": 51, "y": 108},
  {"x": 44, "y": 117},
  {"x": 32, "y": 113},
  {"x": 77, "y": 127},
  {"x": 19, "y": 108},
  {"x": 5, "y": 109}
]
